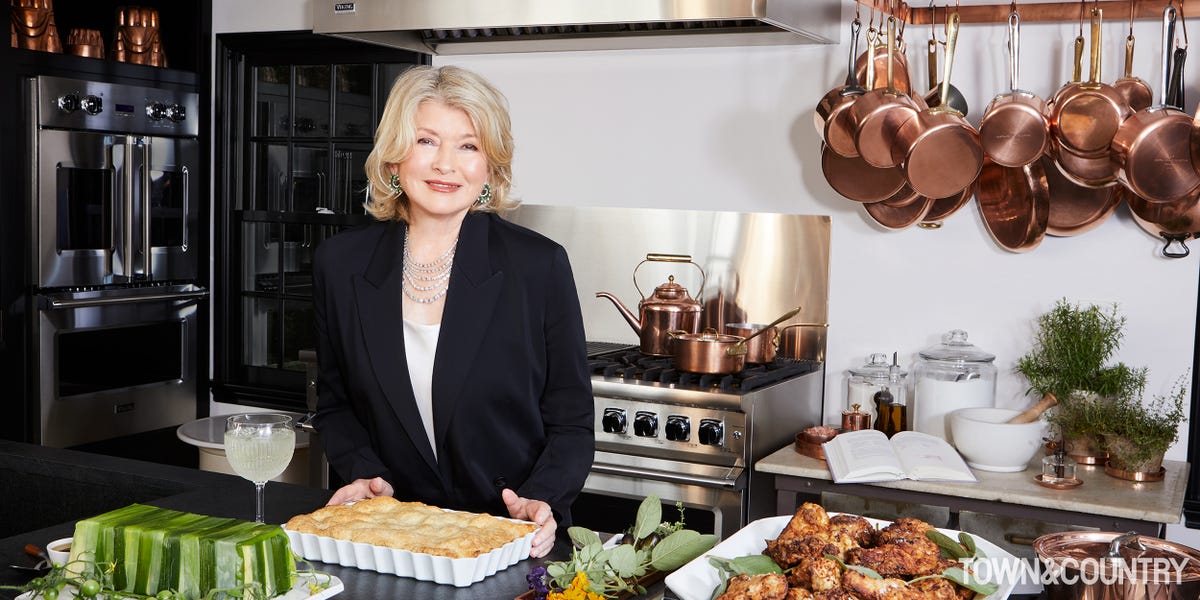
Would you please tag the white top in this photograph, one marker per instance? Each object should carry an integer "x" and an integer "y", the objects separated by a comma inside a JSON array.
[{"x": 420, "y": 342}]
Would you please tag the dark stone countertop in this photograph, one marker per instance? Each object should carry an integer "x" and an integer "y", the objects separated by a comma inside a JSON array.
[{"x": 70, "y": 485}]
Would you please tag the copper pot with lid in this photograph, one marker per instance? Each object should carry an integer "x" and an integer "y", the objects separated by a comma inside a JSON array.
[
  {"x": 717, "y": 353},
  {"x": 1106, "y": 565},
  {"x": 669, "y": 308}
]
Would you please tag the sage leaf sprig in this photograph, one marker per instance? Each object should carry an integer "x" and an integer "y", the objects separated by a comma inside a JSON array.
[{"x": 727, "y": 568}]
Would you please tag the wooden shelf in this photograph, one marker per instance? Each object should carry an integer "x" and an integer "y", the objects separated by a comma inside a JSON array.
[{"x": 1114, "y": 10}]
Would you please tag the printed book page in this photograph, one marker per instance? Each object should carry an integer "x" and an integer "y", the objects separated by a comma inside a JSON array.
[{"x": 868, "y": 455}]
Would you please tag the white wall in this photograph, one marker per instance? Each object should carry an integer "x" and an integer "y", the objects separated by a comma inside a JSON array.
[{"x": 731, "y": 129}]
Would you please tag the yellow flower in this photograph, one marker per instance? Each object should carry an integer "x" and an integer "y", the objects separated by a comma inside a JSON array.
[{"x": 578, "y": 590}]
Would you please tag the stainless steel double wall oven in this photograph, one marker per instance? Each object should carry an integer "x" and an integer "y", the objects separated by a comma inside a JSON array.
[{"x": 114, "y": 226}]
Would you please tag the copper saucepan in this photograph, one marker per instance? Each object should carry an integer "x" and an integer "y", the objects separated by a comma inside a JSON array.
[
  {"x": 1152, "y": 147},
  {"x": 871, "y": 66},
  {"x": 944, "y": 207},
  {"x": 1172, "y": 222},
  {"x": 803, "y": 341},
  {"x": 1013, "y": 131},
  {"x": 832, "y": 117},
  {"x": 938, "y": 150},
  {"x": 902, "y": 211},
  {"x": 1135, "y": 90},
  {"x": 716, "y": 353},
  {"x": 1085, "y": 116},
  {"x": 1076, "y": 209},
  {"x": 763, "y": 349},
  {"x": 1015, "y": 204},
  {"x": 879, "y": 114}
]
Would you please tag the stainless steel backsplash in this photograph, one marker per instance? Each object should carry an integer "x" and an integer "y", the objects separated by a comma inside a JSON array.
[{"x": 758, "y": 265}]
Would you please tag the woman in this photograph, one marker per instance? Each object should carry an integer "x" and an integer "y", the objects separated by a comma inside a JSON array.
[{"x": 453, "y": 369}]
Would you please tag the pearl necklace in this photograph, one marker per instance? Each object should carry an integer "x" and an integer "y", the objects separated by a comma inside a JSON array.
[{"x": 426, "y": 283}]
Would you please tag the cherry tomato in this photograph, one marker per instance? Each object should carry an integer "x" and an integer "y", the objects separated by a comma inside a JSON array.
[
  {"x": 50, "y": 593},
  {"x": 89, "y": 588},
  {"x": 37, "y": 583}
]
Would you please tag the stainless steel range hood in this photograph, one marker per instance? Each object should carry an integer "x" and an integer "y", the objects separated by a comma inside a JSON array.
[{"x": 497, "y": 26}]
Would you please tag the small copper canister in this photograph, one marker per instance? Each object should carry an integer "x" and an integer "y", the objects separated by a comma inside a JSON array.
[{"x": 853, "y": 420}]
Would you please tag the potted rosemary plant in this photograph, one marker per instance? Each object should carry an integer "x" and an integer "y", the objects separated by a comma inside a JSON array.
[{"x": 1073, "y": 346}]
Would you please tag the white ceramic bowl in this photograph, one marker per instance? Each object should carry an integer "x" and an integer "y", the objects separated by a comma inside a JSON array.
[
  {"x": 988, "y": 443},
  {"x": 59, "y": 550}
]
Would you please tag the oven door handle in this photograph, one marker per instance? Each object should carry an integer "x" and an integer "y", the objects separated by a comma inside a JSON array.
[
  {"x": 667, "y": 476},
  {"x": 86, "y": 302}
]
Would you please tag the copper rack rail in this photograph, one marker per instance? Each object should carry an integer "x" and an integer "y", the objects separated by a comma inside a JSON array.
[{"x": 1030, "y": 11}]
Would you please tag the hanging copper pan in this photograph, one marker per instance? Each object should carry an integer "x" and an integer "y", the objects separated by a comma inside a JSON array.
[
  {"x": 1152, "y": 147},
  {"x": 871, "y": 66},
  {"x": 1085, "y": 116},
  {"x": 900, "y": 213},
  {"x": 1134, "y": 90},
  {"x": 1172, "y": 222},
  {"x": 1015, "y": 204},
  {"x": 944, "y": 207},
  {"x": 938, "y": 150},
  {"x": 1076, "y": 209},
  {"x": 856, "y": 180},
  {"x": 832, "y": 117},
  {"x": 1013, "y": 131},
  {"x": 879, "y": 113}
]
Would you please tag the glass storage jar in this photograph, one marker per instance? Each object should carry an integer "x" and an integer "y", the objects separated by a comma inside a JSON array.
[
  {"x": 862, "y": 383},
  {"x": 952, "y": 375}
]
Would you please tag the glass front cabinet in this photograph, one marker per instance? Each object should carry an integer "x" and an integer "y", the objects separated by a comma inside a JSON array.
[{"x": 296, "y": 117}]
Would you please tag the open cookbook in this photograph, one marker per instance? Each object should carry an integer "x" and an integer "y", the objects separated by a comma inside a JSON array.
[{"x": 868, "y": 455}]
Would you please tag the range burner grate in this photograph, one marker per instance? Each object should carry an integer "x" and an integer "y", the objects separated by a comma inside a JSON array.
[{"x": 634, "y": 366}]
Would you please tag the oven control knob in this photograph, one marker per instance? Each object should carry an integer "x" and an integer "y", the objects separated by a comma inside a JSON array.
[
  {"x": 613, "y": 420},
  {"x": 177, "y": 112},
  {"x": 92, "y": 104},
  {"x": 68, "y": 103},
  {"x": 645, "y": 424},
  {"x": 711, "y": 432},
  {"x": 678, "y": 428},
  {"x": 156, "y": 111}
]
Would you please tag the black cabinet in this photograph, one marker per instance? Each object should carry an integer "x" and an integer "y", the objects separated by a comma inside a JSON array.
[{"x": 297, "y": 115}]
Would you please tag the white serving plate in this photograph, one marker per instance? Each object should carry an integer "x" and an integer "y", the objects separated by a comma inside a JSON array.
[
  {"x": 697, "y": 579},
  {"x": 298, "y": 591},
  {"x": 459, "y": 572}
]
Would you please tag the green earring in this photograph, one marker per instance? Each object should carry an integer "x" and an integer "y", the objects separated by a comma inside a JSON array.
[
  {"x": 394, "y": 183},
  {"x": 485, "y": 196}
]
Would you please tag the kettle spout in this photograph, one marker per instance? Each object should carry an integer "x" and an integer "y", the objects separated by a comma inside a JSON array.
[{"x": 631, "y": 318}]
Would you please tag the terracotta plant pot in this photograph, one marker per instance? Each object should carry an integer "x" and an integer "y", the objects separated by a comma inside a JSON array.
[{"x": 1120, "y": 450}]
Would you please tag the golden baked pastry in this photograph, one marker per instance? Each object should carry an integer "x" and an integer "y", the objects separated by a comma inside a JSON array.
[{"x": 413, "y": 526}]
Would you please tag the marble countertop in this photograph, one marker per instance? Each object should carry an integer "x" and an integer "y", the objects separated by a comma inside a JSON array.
[{"x": 1100, "y": 494}]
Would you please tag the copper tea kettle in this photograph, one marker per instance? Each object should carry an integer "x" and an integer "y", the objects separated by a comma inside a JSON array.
[{"x": 669, "y": 308}]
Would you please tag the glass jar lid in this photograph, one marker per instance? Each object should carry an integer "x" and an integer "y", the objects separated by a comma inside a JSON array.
[
  {"x": 955, "y": 348},
  {"x": 877, "y": 367}
]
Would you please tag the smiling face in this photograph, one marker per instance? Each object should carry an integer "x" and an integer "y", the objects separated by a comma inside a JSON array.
[{"x": 446, "y": 169}]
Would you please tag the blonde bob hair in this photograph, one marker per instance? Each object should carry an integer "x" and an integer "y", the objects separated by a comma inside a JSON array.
[{"x": 394, "y": 139}]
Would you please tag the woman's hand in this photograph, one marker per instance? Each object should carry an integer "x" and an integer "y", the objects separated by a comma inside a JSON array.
[
  {"x": 533, "y": 510},
  {"x": 361, "y": 489}
]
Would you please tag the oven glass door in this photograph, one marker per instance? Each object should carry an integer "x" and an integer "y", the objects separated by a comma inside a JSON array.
[
  {"x": 169, "y": 208},
  {"x": 78, "y": 204},
  {"x": 115, "y": 362}
]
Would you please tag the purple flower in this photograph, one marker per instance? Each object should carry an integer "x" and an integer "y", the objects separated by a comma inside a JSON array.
[{"x": 537, "y": 582}]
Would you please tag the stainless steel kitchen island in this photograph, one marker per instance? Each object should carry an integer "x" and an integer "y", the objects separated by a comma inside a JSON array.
[{"x": 51, "y": 473}]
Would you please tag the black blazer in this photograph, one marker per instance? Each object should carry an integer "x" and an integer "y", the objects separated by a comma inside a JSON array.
[{"x": 512, "y": 397}]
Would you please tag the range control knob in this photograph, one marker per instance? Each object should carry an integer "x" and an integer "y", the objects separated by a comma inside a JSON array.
[
  {"x": 92, "y": 104},
  {"x": 68, "y": 103},
  {"x": 645, "y": 424},
  {"x": 177, "y": 112},
  {"x": 711, "y": 432},
  {"x": 156, "y": 111},
  {"x": 678, "y": 428},
  {"x": 613, "y": 420}
]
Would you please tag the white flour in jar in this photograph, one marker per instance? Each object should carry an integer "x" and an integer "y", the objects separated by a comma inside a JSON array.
[{"x": 934, "y": 398}]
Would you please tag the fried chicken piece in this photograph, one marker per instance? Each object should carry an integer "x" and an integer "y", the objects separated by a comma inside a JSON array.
[
  {"x": 789, "y": 553},
  {"x": 937, "y": 588},
  {"x": 905, "y": 528},
  {"x": 798, "y": 593},
  {"x": 905, "y": 558},
  {"x": 809, "y": 519},
  {"x": 869, "y": 588},
  {"x": 769, "y": 586},
  {"x": 823, "y": 574},
  {"x": 857, "y": 528}
]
